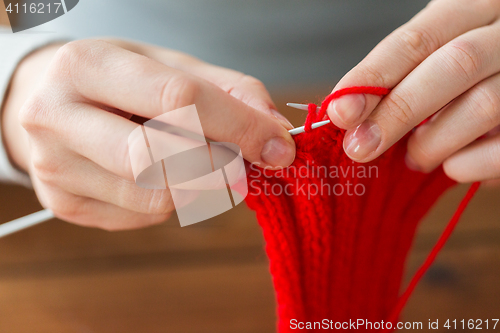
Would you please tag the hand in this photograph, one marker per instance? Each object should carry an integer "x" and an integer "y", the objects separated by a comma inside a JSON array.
[
  {"x": 76, "y": 124},
  {"x": 444, "y": 63}
]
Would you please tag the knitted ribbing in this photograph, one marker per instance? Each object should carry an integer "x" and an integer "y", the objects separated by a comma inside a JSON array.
[{"x": 340, "y": 257}]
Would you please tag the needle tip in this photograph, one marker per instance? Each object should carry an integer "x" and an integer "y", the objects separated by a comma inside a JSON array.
[{"x": 298, "y": 106}]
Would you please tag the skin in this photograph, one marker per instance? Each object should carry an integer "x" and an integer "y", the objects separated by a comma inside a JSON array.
[
  {"x": 67, "y": 125},
  {"x": 443, "y": 64}
]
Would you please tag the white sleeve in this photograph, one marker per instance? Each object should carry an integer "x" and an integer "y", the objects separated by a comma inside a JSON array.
[{"x": 14, "y": 47}]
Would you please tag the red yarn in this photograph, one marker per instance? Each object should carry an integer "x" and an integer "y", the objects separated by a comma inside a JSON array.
[
  {"x": 314, "y": 115},
  {"x": 434, "y": 252},
  {"x": 341, "y": 257}
]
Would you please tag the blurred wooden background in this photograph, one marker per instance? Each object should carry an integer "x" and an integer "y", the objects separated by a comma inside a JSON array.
[{"x": 213, "y": 276}]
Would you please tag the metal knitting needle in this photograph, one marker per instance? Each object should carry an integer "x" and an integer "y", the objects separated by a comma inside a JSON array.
[
  {"x": 25, "y": 222},
  {"x": 301, "y": 129},
  {"x": 46, "y": 214},
  {"x": 304, "y": 107}
]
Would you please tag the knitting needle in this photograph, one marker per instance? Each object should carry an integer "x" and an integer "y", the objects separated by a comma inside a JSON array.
[
  {"x": 301, "y": 129},
  {"x": 44, "y": 215},
  {"x": 25, "y": 222},
  {"x": 305, "y": 107}
]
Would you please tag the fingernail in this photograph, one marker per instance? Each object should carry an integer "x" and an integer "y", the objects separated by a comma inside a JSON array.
[
  {"x": 278, "y": 152},
  {"x": 349, "y": 108},
  {"x": 285, "y": 122},
  {"x": 363, "y": 141},
  {"x": 411, "y": 164}
]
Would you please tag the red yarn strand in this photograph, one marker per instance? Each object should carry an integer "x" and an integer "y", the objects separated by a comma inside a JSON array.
[
  {"x": 434, "y": 252},
  {"x": 311, "y": 116},
  {"x": 314, "y": 115}
]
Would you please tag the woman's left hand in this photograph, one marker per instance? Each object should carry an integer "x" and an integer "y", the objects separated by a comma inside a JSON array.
[{"x": 444, "y": 63}]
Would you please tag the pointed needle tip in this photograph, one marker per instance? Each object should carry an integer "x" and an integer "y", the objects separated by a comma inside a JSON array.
[{"x": 304, "y": 107}]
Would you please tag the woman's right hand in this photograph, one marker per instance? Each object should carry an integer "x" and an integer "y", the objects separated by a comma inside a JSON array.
[{"x": 76, "y": 124}]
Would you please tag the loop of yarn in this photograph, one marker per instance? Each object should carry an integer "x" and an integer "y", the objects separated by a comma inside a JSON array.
[{"x": 314, "y": 115}]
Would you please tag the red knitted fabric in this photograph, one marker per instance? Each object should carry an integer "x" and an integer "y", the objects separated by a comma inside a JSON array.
[{"x": 333, "y": 255}]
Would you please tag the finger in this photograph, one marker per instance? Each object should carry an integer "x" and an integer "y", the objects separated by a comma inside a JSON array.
[
  {"x": 123, "y": 147},
  {"x": 467, "y": 118},
  {"x": 400, "y": 52},
  {"x": 127, "y": 81},
  {"x": 84, "y": 178},
  {"x": 100, "y": 136},
  {"x": 90, "y": 212},
  {"x": 244, "y": 87},
  {"x": 494, "y": 183},
  {"x": 443, "y": 76},
  {"x": 252, "y": 92},
  {"x": 476, "y": 162}
]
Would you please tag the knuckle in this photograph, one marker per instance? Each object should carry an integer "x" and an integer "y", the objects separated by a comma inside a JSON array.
[
  {"x": 421, "y": 154},
  {"x": 252, "y": 81},
  {"x": 465, "y": 57},
  {"x": 67, "y": 55},
  {"x": 229, "y": 80},
  {"x": 33, "y": 113},
  {"x": 373, "y": 75},
  {"x": 45, "y": 168},
  {"x": 418, "y": 42},
  {"x": 176, "y": 92},
  {"x": 245, "y": 135},
  {"x": 252, "y": 92},
  {"x": 399, "y": 110},
  {"x": 122, "y": 157},
  {"x": 257, "y": 85},
  {"x": 159, "y": 203},
  {"x": 486, "y": 105},
  {"x": 74, "y": 55},
  {"x": 81, "y": 50}
]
